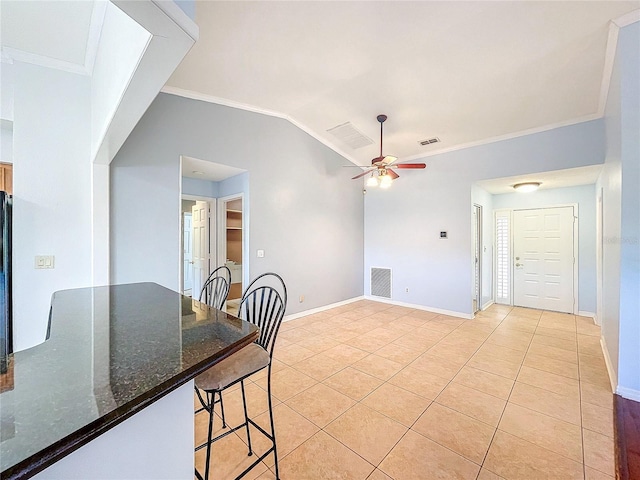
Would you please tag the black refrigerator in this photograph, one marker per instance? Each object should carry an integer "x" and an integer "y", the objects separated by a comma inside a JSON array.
[{"x": 6, "y": 331}]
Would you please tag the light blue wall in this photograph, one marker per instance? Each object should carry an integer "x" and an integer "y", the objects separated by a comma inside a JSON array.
[
  {"x": 585, "y": 197},
  {"x": 629, "y": 356},
  {"x": 188, "y": 7},
  {"x": 402, "y": 223},
  {"x": 200, "y": 188},
  {"x": 305, "y": 212}
]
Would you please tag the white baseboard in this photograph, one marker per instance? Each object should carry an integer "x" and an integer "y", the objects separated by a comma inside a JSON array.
[
  {"x": 487, "y": 305},
  {"x": 467, "y": 316},
  {"x": 629, "y": 393},
  {"x": 311, "y": 311},
  {"x": 588, "y": 314},
  {"x": 613, "y": 378}
]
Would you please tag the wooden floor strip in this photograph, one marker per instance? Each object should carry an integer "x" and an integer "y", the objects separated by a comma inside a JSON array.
[{"x": 627, "y": 441}]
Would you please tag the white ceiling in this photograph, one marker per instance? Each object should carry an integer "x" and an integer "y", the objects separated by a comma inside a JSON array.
[
  {"x": 57, "y": 30},
  {"x": 461, "y": 71},
  {"x": 557, "y": 179},
  {"x": 205, "y": 170}
]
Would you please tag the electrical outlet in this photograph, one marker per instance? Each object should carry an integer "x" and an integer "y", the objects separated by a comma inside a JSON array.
[
  {"x": 301, "y": 298},
  {"x": 406, "y": 290},
  {"x": 260, "y": 253}
]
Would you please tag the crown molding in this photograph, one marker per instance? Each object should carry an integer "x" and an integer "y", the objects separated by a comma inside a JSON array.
[
  {"x": 508, "y": 136},
  {"x": 193, "y": 95},
  {"x": 628, "y": 18}
]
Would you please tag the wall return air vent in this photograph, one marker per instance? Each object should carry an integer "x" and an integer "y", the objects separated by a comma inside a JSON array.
[{"x": 381, "y": 282}]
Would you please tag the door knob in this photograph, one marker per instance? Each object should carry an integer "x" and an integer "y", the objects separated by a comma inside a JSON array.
[{"x": 519, "y": 264}]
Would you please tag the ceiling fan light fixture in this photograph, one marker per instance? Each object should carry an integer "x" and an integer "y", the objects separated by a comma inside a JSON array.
[
  {"x": 526, "y": 187},
  {"x": 385, "y": 181},
  {"x": 372, "y": 181}
]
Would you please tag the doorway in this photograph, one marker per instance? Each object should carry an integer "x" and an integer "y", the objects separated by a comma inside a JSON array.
[
  {"x": 477, "y": 258},
  {"x": 544, "y": 275},
  {"x": 197, "y": 243},
  {"x": 231, "y": 244}
]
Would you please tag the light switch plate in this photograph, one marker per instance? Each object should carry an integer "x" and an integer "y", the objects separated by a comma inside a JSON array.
[
  {"x": 260, "y": 253},
  {"x": 45, "y": 261}
]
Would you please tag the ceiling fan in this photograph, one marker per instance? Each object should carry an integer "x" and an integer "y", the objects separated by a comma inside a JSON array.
[{"x": 381, "y": 166}]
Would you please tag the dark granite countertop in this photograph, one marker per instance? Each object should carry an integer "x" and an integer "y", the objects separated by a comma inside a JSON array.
[{"x": 111, "y": 351}]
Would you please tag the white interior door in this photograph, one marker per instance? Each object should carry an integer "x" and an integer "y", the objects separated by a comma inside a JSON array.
[
  {"x": 200, "y": 249},
  {"x": 187, "y": 260},
  {"x": 543, "y": 258}
]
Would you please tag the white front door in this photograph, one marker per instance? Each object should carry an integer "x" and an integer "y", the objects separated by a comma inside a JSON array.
[
  {"x": 200, "y": 250},
  {"x": 543, "y": 258},
  {"x": 187, "y": 246}
]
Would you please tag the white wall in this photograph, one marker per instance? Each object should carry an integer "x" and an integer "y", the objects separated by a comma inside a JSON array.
[
  {"x": 305, "y": 212},
  {"x": 402, "y": 224},
  {"x": 585, "y": 197},
  {"x": 122, "y": 44},
  {"x": 52, "y": 192}
]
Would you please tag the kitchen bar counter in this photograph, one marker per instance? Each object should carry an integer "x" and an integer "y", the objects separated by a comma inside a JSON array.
[{"x": 111, "y": 352}]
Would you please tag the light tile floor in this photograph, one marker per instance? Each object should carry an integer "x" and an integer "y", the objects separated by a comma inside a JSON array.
[{"x": 374, "y": 391}]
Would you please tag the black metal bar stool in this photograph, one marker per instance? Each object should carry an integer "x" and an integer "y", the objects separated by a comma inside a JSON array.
[{"x": 263, "y": 306}]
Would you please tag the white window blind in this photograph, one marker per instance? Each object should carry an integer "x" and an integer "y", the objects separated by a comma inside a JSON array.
[{"x": 503, "y": 258}]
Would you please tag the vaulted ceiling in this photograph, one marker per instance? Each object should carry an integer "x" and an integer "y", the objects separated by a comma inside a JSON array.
[{"x": 463, "y": 72}]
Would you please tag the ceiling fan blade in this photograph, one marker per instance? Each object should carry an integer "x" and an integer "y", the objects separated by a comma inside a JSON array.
[
  {"x": 359, "y": 166},
  {"x": 392, "y": 174},
  {"x": 363, "y": 173},
  {"x": 389, "y": 159},
  {"x": 410, "y": 165}
]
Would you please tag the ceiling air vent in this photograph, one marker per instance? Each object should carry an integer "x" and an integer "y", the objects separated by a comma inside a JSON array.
[
  {"x": 429, "y": 141},
  {"x": 350, "y": 135}
]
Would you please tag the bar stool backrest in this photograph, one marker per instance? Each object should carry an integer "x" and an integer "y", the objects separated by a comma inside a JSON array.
[
  {"x": 216, "y": 288},
  {"x": 264, "y": 306}
]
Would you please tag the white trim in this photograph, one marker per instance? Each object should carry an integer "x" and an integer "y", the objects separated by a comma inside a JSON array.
[
  {"x": 613, "y": 378},
  {"x": 311, "y": 311},
  {"x": 181, "y": 19},
  {"x": 95, "y": 32},
  {"x": 179, "y": 92},
  {"x": 44, "y": 61},
  {"x": 508, "y": 136},
  {"x": 628, "y": 18},
  {"x": 440, "y": 311},
  {"x": 629, "y": 393},
  {"x": 607, "y": 71},
  {"x": 591, "y": 315},
  {"x": 487, "y": 305}
]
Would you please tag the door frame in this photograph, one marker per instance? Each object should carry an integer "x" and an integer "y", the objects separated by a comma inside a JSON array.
[
  {"x": 221, "y": 233},
  {"x": 212, "y": 229},
  {"x": 576, "y": 251},
  {"x": 477, "y": 211}
]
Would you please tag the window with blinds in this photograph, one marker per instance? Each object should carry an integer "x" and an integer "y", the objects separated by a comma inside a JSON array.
[{"x": 503, "y": 257}]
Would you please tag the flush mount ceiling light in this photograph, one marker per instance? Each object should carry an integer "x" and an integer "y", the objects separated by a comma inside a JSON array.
[
  {"x": 197, "y": 172},
  {"x": 526, "y": 187}
]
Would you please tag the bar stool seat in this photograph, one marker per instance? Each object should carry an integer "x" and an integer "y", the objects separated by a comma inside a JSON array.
[{"x": 230, "y": 370}]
